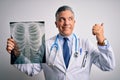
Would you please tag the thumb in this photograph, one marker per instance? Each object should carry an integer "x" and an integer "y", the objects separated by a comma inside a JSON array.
[{"x": 102, "y": 24}]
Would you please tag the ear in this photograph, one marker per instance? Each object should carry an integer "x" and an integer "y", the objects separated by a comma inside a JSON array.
[
  {"x": 74, "y": 21},
  {"x": 56, "y": 23}
]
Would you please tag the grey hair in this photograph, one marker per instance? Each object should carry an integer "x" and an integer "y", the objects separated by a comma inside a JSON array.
[{"x": 63, "y": 8}]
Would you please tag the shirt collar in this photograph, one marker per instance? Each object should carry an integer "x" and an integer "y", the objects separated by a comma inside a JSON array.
[{"x": 70, "y": 38}]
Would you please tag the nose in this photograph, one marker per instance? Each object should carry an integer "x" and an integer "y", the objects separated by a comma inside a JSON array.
[{"x": 66, "y": 22}]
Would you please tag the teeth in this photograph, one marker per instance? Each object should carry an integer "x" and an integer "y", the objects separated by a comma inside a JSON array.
[{"x": 28, "y": 37}]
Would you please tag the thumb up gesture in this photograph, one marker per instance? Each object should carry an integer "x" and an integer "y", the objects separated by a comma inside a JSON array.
[{"x": 98, "y": 31}]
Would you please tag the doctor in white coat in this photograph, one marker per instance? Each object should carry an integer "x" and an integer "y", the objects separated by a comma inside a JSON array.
[{"x": 70, "y": 58}]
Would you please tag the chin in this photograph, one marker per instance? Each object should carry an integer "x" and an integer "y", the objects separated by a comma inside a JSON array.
[{"x": 66, "y": 34}]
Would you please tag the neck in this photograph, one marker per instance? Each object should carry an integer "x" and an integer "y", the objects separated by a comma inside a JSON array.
[{"x": 65, "y": 35}]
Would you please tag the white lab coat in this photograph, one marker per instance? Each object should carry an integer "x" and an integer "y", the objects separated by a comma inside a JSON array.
[{"x": 102, "y": 57}]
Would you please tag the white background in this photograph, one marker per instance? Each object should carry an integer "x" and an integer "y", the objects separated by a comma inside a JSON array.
[{"x": 87, "y": 13}]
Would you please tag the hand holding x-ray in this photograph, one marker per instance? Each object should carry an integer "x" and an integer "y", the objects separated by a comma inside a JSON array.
[
  {"x": 26, "y": 44},
  {"x": 12, "y": 46}
]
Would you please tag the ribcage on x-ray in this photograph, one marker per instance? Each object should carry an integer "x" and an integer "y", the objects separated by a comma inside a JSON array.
[
  {"x": 19, "y": 36},
  {"x": 35, "y": 36},
  {"x": 28, "y": 37}
]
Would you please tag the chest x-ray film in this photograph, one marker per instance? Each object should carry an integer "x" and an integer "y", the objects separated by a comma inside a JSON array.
[{"x": 30, "y": 39}]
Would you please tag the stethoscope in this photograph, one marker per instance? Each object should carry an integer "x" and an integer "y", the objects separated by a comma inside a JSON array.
[
  {"x": 55, "y": 47},
  {"x": 55, "y": 44}
]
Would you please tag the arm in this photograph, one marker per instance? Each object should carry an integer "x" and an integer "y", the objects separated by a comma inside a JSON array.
[
  {"x": 104, "y": 58},
  {"x": 30, "y": 69}
]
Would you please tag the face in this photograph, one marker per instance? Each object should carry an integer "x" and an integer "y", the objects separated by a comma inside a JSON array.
[{"x": 65, "y": 22}]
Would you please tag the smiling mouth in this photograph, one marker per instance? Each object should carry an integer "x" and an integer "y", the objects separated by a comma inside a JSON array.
[{"x": 66, "y": 28}]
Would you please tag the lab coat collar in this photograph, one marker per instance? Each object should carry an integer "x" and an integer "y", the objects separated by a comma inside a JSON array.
[{"x": 60, "y": 59}]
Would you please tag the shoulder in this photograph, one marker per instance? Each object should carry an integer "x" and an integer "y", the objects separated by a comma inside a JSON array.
[
  {"x": 50, "y": 40},
  {"x": 85, "y": 43},
  {"x": 82, "y": 39}
]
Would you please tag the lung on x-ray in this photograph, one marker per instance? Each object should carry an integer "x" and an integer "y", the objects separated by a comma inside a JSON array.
[{"x": 30, "y": 39}]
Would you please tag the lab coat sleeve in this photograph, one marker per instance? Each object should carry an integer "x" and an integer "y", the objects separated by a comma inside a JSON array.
[
  {"x": 104, "y": 57},
  {"x": 23, "y": 64},
  {"x": 30, "y": 69}
]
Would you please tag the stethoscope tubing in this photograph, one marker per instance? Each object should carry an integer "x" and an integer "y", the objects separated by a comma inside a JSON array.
[{"x": 55, "y": 45}]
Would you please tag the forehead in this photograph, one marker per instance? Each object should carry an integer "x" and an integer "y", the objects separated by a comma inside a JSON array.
[{"x": 66, "y": 13}]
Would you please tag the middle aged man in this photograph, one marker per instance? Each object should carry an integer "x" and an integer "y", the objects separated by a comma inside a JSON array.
[{"x": 69, "y": 57}]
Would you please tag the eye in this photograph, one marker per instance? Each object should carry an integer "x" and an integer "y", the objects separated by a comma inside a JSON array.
[
  {"x": 70, "y": 18},
  {"x": 61, "y": 19}
]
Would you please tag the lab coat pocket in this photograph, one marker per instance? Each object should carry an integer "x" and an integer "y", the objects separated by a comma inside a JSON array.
[
  {"x": 52, "y": 72},
  {"x": 85, "y": 60},
  {"x": 82, "y": 60}
]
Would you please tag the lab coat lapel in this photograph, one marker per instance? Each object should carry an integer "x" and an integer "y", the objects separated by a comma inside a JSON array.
[
  {"x": 76, "y": 60},
  {"x": 59, "y": 62},
  {"x": 72, "y": 58}
]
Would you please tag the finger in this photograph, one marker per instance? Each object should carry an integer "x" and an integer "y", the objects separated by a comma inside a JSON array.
[
  {"x": 10, "y": 43},
  {"x": 10, "y": 39},
  {"x": 95, "y": 28},
  {"x": 102, "y": 24},
  {"x": 96, "y": 31},
  {"x": 97, "y": 25},
  {"x": 93, "y": 33},
  {"x": 9, "y": 49}
]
